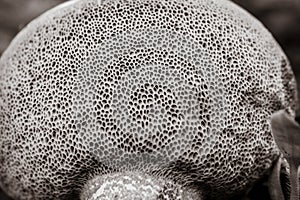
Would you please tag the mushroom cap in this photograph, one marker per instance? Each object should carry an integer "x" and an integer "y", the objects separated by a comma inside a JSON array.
[{"x": 180, "y": 90}]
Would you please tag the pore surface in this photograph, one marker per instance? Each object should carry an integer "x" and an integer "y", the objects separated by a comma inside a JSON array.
[{"x": 181, "y": 90}]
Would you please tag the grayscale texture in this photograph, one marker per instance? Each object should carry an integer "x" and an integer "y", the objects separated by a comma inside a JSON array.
[
  {"x": 132, "y": 185},
  {"x": 181, "y": 90}
]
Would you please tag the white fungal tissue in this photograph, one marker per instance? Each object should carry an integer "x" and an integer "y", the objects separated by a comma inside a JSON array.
[{"x": 181, "y": 90}]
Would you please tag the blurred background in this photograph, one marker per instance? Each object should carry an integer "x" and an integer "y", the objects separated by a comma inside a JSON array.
[{"x": 281, "y": 17}]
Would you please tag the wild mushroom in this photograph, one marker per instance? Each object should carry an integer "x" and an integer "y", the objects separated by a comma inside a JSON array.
[{"x": 166, "y": 97}]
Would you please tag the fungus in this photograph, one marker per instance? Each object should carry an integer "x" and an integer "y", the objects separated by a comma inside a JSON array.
[
  {"x": 174, "y": 96},
  {"x": 286, "y": 133}
]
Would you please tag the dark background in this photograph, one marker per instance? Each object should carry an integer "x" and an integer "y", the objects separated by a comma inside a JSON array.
[{"x": 281, "y": 17}]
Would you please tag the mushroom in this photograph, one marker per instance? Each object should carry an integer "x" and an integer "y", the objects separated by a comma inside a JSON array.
[{"x": 140, "y": 98}]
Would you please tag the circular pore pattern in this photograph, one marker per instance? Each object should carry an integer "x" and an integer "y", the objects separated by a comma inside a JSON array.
[{"x": 181, "y": 90}]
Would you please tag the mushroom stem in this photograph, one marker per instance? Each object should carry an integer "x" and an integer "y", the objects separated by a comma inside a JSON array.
[
  {"x": 135, "y": 185},
  {"x": 275, "y": 188},
  {"x": 286, "y": 132},
  {"x": 294, "y": 179}
]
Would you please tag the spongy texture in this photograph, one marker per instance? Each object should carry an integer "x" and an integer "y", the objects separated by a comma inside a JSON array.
[{"x": 181, "y": 90}]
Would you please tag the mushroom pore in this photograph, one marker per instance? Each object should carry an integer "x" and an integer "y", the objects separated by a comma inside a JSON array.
[{"x": 179, "y": 93}]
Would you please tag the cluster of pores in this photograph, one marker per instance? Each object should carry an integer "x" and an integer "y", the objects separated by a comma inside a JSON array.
[{"x": 178, "y": 90}]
